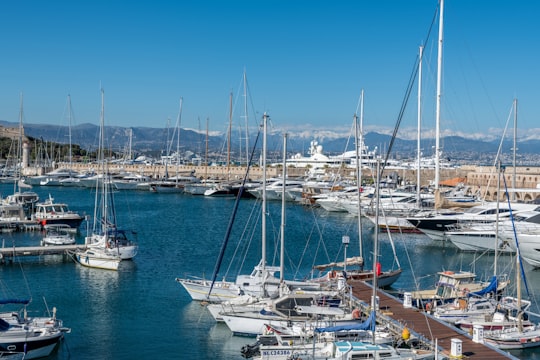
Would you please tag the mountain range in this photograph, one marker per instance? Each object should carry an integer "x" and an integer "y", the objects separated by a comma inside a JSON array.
[{"x": 153, "y": 141}]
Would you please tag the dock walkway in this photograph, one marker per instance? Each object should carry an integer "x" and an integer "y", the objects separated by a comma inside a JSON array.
[
  {"x": 10, "y": 252},
  {"x": 425, "y": 325}
]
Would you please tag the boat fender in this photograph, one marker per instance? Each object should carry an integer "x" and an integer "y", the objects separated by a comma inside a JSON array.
[
  {"x": 429, "y": 305},
  {"x": 356, "y": 314},
  {"x": 405, "y": 334}
]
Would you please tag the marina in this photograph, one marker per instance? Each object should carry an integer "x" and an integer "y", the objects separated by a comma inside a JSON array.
[{"x": 180, "y": 234}]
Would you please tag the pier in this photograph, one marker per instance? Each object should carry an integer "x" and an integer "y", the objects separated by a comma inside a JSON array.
[
  {"x": 11, "y": 252},
  {"x": 424, "y": 325}
]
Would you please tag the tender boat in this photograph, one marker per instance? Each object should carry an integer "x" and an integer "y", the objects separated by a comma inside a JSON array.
[{"x": 59, "y": 234}]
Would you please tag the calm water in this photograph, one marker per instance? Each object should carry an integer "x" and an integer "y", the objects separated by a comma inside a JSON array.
[{"x": 140, "y": 312}]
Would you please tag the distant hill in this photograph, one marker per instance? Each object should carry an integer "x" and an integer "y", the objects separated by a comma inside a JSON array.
[{"x": 146, "y": 140}]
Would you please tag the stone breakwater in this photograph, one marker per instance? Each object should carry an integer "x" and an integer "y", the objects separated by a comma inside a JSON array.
[{"x": 525, "y": 180}]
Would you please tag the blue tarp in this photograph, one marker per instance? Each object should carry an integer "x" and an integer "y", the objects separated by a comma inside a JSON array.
[
  {"x": 369, "y": 324},
  {"x": 491, "y": 288}
]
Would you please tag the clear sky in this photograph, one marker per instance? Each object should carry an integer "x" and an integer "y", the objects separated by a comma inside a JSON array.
[{"x": 306, "y": 62}]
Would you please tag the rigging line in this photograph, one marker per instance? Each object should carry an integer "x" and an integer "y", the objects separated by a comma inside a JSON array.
[
  {"x": 233, "y": 216},
  {"x": 499, "y": 150},
  {"x": 409, "y": 91},
  {"x": 253, "y": 218},
  {"x": 518, "y": 252}
]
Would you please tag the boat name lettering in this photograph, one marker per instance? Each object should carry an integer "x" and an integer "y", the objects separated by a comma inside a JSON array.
[{"x": 276, "y": 352}]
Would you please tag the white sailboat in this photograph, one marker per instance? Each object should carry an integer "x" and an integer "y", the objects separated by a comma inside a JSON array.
[
  {"x": 106, "y": 244},
  {"x": 511, "y": 329},
  {"x": 353, "y": 267},
  {"x": 262, "y": 281}
]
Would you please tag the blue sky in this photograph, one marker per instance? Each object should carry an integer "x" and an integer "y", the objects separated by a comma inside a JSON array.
[{"x": 306, "y": 62}]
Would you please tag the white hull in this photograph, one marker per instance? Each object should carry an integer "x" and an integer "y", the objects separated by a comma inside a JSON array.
[
  {"x": 529, "y": 248},
  {"x": 97, "y": 259},
  {"x": 124, "y": 251},
  {"x": 476, "y": 241},
  {"x": 120, "y": 185},
  {"x": 514, "y": 339},
  {"x": 198, "y": 290},
  {"x": 254, "y": 323}
]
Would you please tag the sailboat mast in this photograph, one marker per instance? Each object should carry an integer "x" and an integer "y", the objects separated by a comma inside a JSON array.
[
  {"x": 514, "y": 151},
  {"x": 263, "y": 206},
  {"x": 103, "y": 167},
  {"x": 18, "y": 166},
  {"x": 229, "y": 139},
  {"x": 438, "y": 108},
  {"x": 376, "y": 243},
  {"x": 69, "y": 134},
  {"x": 178, "y": 124},
  {"x": 497, "y": 217},
  {"x": 206, "y": 152},
  {"x": 246, "y": 118},
  {"x": 359, "y": 146},
  {"x": 418, "y": 134},
  {"x": 282, "y": 245}
]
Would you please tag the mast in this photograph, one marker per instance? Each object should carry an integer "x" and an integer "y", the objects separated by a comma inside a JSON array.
[
  {"x": 438, "y": 108},
  {"x": 263, "y": 206},
  {"x": 375, "y": 244},
  {"x": 418, "y": 134},
  {"x": 206, "y": 153},
  {"x": 497, "y": 217},
  {"x": 246, "y": 118},
  {"x": 103, "y": 181},
  {"x": 18, "y": 166},
  {"x": 359, "y": 147},
  {"x": 178, "y": 123},
  {"x": 229, "y": 139},
  {"x": 514, "y": 152},
  {"x": 282, "y": 245},
  {"x": 69, "y": 134}
]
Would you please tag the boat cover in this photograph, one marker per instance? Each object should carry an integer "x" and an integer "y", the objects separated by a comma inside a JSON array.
[
  {"x": 491, "y": 288},
  {"x": 369, "y": 324}
]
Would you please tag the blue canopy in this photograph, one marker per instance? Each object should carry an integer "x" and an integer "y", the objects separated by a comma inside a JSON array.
[
  {"x": 491, "y": 288},
  {"x": 369, "y": 324}
]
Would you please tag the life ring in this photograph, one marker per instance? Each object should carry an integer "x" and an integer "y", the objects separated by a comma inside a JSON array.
[
  {"x": 332, "y": 274},
  {"x": 356, "y": 314},
  {"x": 448, "y": 273},
  {"x": 428, "y": 306}
]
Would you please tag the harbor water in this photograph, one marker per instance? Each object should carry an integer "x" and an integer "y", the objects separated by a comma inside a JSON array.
[{"x": 141, "y": 312}]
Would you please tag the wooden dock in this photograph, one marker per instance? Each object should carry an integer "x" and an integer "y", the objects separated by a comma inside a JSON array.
[
  {"x": 420, "y": 323},
  {"x": 10, "y": 252}
]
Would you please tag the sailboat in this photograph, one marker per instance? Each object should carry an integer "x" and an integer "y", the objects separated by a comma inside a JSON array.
[
  {"x": 262, "y": 281},
  {"x": 23, "y": 336},
  {"x": 345, "y": 340},
  {"x": 509, "y": 327},
  {"x": 177, "y": 182},
  {"x": 385, "y": 278},
  {"x": 21, "y": 201},
  {"x": 106, "y": 244}
]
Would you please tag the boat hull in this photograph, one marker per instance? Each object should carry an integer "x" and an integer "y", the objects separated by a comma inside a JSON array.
[
  {"x": 33, "y": 346},
  {"x": 99, "y": 261}
]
